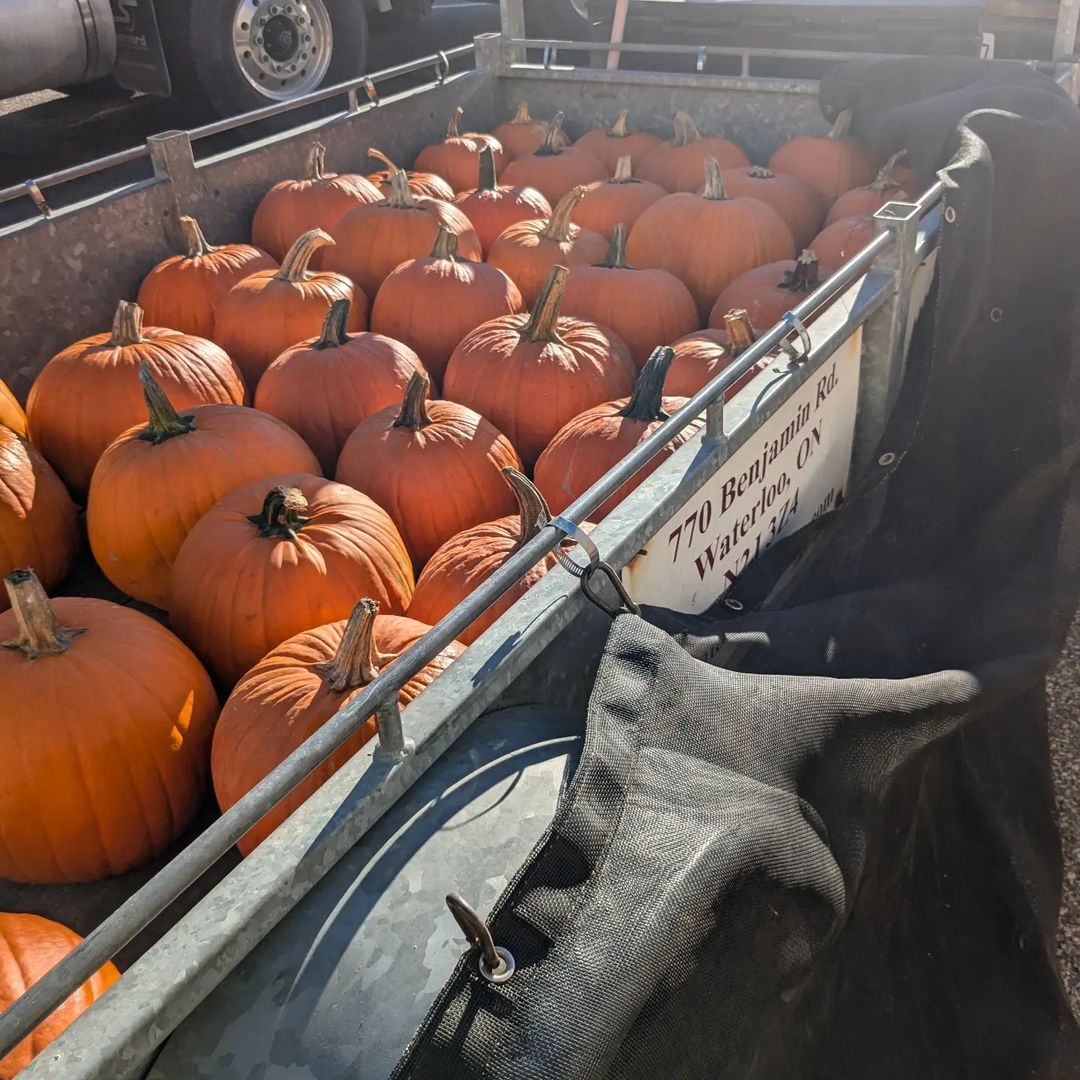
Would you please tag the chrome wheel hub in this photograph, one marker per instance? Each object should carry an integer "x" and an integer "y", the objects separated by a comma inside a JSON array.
[{"x": 282, "y": 47}]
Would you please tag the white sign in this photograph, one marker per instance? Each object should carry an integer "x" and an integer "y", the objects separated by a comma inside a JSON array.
[{"x": 790, "y": 473}]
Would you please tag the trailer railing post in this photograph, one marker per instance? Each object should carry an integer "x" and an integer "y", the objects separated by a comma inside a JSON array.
[
  {"x": 174, "y": 160},
  {"x": 512, "y": 16},
  {"x": 489, "y": 53}
]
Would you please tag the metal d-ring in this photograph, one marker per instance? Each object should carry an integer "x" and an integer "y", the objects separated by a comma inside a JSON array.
[
  {"x": 795, "y": 324},
  {"x": 576, "y": 533},
  {"x": 442, "y": 66},
  {"x": 372, "y": 92},
  {"x": 38, "y": 198},
  {"x": 496, "y": 963}
]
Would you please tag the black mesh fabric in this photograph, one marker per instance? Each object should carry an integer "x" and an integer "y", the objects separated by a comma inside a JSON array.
[{"x": 815, "y": 840}]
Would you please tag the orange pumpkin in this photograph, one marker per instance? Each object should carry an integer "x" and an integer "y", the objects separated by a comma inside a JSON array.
[
  {"x": 30, "y": 947},
  {"x": 842, "y": 240},
  {"x": 597, "y": 440},
  {"x": 678, "y": 164},
  {"x": 618, "y": 201},
  {"x": 769, "y": 291},
  {"x": 530, "y": 374},
  {"x": 493, "y": 209},
  {"x": 644, "y": 307},
  {"x": 701, "y": 356},
  {"x": 319, "y": 201},
  {"x": 457, "y": 157},
  {"x": 612, "y": 144},
  {"x": 88, "y": 394},
  {"x": 434, "y": 466},
  {"x": 430, "y": 304},
  {"x": 526, "y": 252},
  {"x": 121, "y": 714},
  {"x": 831, "y": 163},
  {"x": 865, "y": 201},
  {"x": 183, "y": 292},
  {"x": 789, "y": 195},
  {"x": 374, "y": 240},
  {"x": 324, "y": 387},
  {"x": 522, "y": 135},
  {"x": 708, "y": 240},
  {"x": 39, "y": 525},
  {"x": 156, "y": 481},
  {"x": 270, "y": 311},
  {"x": 422, "y": 184},
  {"x": 11, "y": 412},
  {"x": 555, "y": 168},
  {"x": 465, "y": 561},
  {"x": 279, "y": 557},
  {"x": 295, "y": 689}
]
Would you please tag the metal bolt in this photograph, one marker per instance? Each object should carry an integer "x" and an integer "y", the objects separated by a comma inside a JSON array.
[
  {"x": 303, "y": 56},
  {"x": 258, "y": 39},
  {"x": 264, "y": 58},
  {"x": 275, "y": 10}
]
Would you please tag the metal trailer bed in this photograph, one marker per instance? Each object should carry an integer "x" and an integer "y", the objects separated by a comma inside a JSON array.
[{"x": 544, "y": 649}]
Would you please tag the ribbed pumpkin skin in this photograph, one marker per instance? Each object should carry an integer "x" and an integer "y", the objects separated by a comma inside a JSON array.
[
  {"x": 455, "y": 159},
  {"x": 89, "y": 394},
  {"x": 430, "y": 304},
  {"x": 236, "y": 594},
  {"x": 680, "y": 168},
  {"x": 553, "y": 175},
  {"x": 789, "y": 195},
  {"x": 522, "y": 134},
  {"x": 829, "y": 166},
  {"x": 322, "y": 394},
  {"x": 11, "y": 412},
  {"x": 39, "y": 526},
  {"x": 609, "y": 148},
  {"x": 145, "y": 499},
  {"x": 423, "y": 185},
  {"x": 118, "y": 762},
  {"x": 842, "y": 240},
  {"x": 863, "y": 202},
  {"x": 284, "y": 700},
  {"x": 529, "y": 389},
  {"x": 31, "y": 946},
  {"x": 493, "y": 211},
  {"x": 757, "y": 292},
  {"x": 616, "y": 203},
  {"x": 699, "y": 358},
  {"x": 434, "y": 481}
]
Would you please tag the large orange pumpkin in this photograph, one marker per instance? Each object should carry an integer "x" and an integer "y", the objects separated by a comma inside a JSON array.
[
  {"x": 645, "y": 308},
  {"x": 295, "y": 689},
  {"x": 319, "y": 201},
  {"x": 279, "y": 557},
  {"x": 324, "y": 387},
  {"x": 526, "y": 252},
  {"x": 30, "y": 947},
  {"x": 457, "y": 157},
  {"x": 842, "y": 240},
  {"x": 183, "y": 292},
  {"x": 270, "y": 311},
  {"x": 155, "y": 482},
  {"x": 864, "y": 201},
  {"x": 612, "y": 144},
  {"x": 678, "y": 164},
  {"x": 433, "y": 465},
  {"x": 789, "y": 195},
  {"x": 555, "y": 168},
  {"x": 618, "y": 201},
  {"x": 11, "y": 412},
  {"x": 600, "y": 438},
  {"x": 831, "y": 163},
  {"x": 121, "y": 715},
  {"x": 430, "y": 304},
  {"x": 89, "y": 394},
  {"x": 467, "y": 560},
  {"x": 374, "y": 240},
  {"x": 422, "y": 184},
  {"x": 769, "y": 291},
  {"x": 493, "y": 209},
  {"x": 530, "y": 374},
  {"x": 39, "y": 525},
  {"x": 708, "y": 240},
  {"x": 522, "y": 134},
  {"x": 701, "y": 356}
]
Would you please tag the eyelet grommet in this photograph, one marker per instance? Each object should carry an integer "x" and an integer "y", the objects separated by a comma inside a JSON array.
[
  {"x": 950, "y": 214},
  {"x": 886, "y": 459},
  {"x": 505, "y": 970},
  {"x": 996, "y": 314},
  {"x": 732, "y": 603}
]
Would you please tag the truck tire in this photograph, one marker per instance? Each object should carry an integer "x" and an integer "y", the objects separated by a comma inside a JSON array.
[{"x": 239, "y": 55}]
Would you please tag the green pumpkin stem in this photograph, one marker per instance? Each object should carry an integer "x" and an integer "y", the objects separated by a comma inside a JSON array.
[
  {"x": 533, "y": 510},
  {"x": 543, "y": 324},
  {"x": 714, "y": 181},
  {"x": 165, "y": 422},
  {"x": 197, "y": 244},
  {"x": 452, "y": 129},
  {"x": 414, "y": 414},
  {"x": 282, "y": 515},
  {"x": 841, "y": 125},
  {"x": 686, "y": 131},
  {"x": 804, "y": 278},
  {"x": 616, "y": 256},
  {"x": 446, "y": 245},
  {"x": 487, "y": 180},
  {"x": 335, "y": 326},
  {"x": 357, "y": 660},
  {"x": 40, "y": 632},
  {"x": 621, "y": 128},
  {"x": 559, "y": 227},
  {"x": 317, "y": 162},
  {"x": 646, "y": 402},
  {"x": 553, "y": 137},
  {"x": 298, "y": 259},
  {"x": 740, "y": 333},
  {"x": 127, "y": 325}
]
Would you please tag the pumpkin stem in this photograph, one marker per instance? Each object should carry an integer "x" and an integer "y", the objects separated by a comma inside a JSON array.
[
  {"x": 452, "y": 130},
  {"x": 295, "y": 266},
  {"x": 414, "y": 414},
  {"x": 624, "y": 171},
  {"x": 40, "y": 634},
  {"x": 522, "y": 114},
  {"x": 714, "y": 181},
  {"x": 401, "y": 196},
  {"x": 621, "y": 128},
  {"x": 487, "y": 181},
  {"x": 334, "y": 327},
  {"x": 616, "y": 256},
  {"x": 357, "y": 660},
  {"x": 316, "y": 162},
  {"x": 282, "y": 514},
  {"x": 885, "y": 178},
  {"x": 804, "y": 278},
  {"x": 378, "y": 155},
  {"x": 165, "y": 422},
  {"x": 842, "y": 125},
  {"x": 197, "y": 244},
  {"x": 740, "y": 333},
  {"x": 559, "y": 227},
  {"x": 127, "y": 325},
  {"x": 446, "y": 245},
  {"x": 553, "y": 138},
  {"x": 646, "y": 402},
  {"x": 686, "y": 131},
  {"x": 543, "y": 324},
  {"x": 759, "y": 172},
  {"x": 532, "y": 509}
]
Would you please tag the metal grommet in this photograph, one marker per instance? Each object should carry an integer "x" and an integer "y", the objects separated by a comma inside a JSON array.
[
  {"x": 580, "y": 537},
  {"x": 503, "y": 971},
  {"x": 950, "y": 214},
  {"x": 886, "y": 459},
  {"x": 733, "y": 604},
  {"x": 996, "y": 314},
  {"x": 496, "y": 963}
]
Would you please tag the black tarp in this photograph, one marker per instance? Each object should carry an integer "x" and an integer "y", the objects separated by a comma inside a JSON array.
[{"x": 814, "y": 840}]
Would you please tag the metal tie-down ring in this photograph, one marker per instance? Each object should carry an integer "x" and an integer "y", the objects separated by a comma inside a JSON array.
[
  {"x": 797, "y": 326},
  {"x": 496, "y": 963},
  {"x": 442, "y": 66},
  {"x": 595, "y": 565}
]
